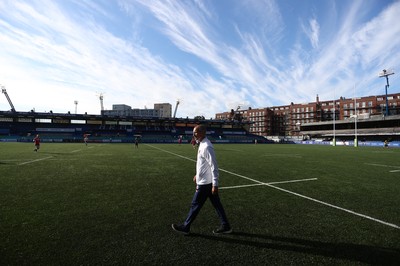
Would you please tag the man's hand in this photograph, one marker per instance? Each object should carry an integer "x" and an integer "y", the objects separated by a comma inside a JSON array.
[
  {"x": 214, "y": 190},
  {"x": 194, "y": 179}
]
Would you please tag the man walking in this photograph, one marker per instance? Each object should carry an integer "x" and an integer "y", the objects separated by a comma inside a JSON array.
[{"x": 206, "y": 180}]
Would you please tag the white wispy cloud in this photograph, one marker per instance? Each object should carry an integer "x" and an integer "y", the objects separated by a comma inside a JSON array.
[
  {"x": 84, "y": 56},
  {"x": 313, "y": 32},
  {"x": 53, "y": 56}
]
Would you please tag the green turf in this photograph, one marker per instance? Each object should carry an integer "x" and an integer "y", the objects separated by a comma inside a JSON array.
[{"x": 112, "y": 204}]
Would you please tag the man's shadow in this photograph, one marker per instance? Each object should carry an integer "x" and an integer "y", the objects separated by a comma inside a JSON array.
[{"x": 351, "y": 252}]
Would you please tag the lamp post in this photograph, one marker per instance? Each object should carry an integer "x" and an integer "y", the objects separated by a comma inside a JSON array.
[
  {"x": 355, "y": 118},
  {"x": 386, "y": 73},
  {"x": 334, "y": 122}
]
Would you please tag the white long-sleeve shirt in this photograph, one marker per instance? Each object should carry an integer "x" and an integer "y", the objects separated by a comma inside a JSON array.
[{"x": 206, "y": 165}]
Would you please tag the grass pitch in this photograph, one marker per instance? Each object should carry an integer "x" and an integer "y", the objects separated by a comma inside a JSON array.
[{"x": 112, "y": 204}]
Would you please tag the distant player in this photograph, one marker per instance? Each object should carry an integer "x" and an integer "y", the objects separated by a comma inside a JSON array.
[
  {"x": 136, "y": 143},
  {"x": 86, "y": 138},
  {"x": 386, "y": 144},
  {"x": 36, "y": 141}
]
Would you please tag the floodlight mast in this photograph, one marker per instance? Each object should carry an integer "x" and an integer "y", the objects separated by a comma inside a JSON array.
[
  {"x": 3, "y": 90},
  {"x": 386, "y": 73},
  {"x": 76, "y": 106},
  {"x": 101, "y": 96}
]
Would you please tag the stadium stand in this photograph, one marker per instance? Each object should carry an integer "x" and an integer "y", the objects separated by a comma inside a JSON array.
[{"x": 53, "y": 127}]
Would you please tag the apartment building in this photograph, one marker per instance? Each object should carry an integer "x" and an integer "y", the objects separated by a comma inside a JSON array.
[
  {"x": 286, "y": 120},
  {"x": 160, "y": 110}
]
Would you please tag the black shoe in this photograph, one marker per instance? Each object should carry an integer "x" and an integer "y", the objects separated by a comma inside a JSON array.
[
  {"x": 222, "y": 230},
  {"x": 180, "y": 229}
]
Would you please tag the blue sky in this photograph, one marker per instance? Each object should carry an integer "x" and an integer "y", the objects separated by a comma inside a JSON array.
[{"x": 212, "y": 55}]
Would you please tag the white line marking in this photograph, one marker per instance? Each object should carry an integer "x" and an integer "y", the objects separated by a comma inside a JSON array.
[
  {"x": 187, "y": 158},
  {"x": 251, "y": 185},
  {"x": 394, "y": 171},
  {"x": 282, "y": 155},
  {"x": 293, "y": 193},
  {"x": 242, "y": 176},
  {"x": 37, "y": 160},
  {"x": 382, "y": 165},
  {"x": 336, "y": 207},
  {"x": 271, "y": 183},
  {"x": 75, "y": 151},
  {"x": 292, "y": 181}
]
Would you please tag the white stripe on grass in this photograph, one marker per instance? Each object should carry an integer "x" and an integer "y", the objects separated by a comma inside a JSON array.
[
  {"x": 383, "y": 165},
  {"x": 37, "y": 160},
  {"x": 291, "y": 192},
  {"x": 271, "y": 183}
]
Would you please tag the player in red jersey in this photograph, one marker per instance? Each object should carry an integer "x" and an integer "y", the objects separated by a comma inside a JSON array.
[{"x": 36, "y": 140}]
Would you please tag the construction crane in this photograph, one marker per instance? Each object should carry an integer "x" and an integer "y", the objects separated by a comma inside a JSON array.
[
  {"x": 176, "y": 107},
  {"x": 3, "y": 90}
]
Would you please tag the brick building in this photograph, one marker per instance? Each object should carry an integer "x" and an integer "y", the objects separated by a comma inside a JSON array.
[
  {"x": 160, "y": 110},
  {"x": 286, "y": 120}
]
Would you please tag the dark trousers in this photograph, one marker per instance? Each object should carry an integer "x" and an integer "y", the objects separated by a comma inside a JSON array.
[{"x": 200, "y": 196}]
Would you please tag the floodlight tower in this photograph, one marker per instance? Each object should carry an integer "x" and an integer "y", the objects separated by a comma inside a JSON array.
[
  {"x": 100, "y": 94},
  {"x": 386, "y": 73},
  {"x": 76, "y": 106},
  {"x": 101, "y": 97}
]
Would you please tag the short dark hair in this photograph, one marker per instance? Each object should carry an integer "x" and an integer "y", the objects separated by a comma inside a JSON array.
[{"x": 202, "y": 128}]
